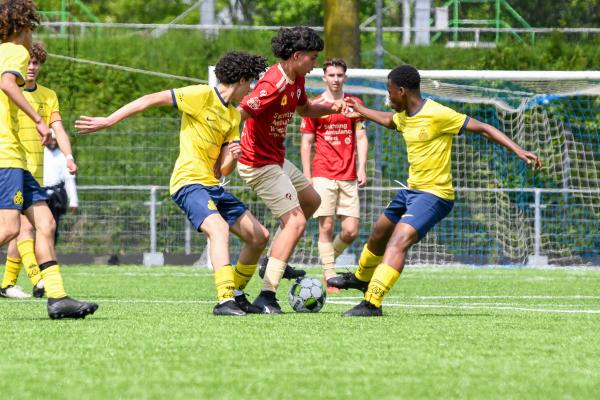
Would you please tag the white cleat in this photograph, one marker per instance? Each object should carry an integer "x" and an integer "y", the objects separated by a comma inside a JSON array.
[{"x": 14, "y": 292}]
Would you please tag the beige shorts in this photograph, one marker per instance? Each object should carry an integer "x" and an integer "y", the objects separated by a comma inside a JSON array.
[
  {"x": 276, "y": 186},
  {"x": 337, "y": 197}
]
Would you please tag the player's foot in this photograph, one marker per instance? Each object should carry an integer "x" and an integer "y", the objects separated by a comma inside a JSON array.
[
  {"x": 267, "y": 302},
  {"x": 330, "y": 289},
  {"x": 289, "y": 273},
  {"x": 39, "y": 289},
  {"x": 228, "y": 308},
  {"x": 13, "y": 292},
  {"x": 363, "y": 309},
  {"x": 246, "y": 306},
  {"x": 348, "y": 280},
  {"x": 70, "y": 308}
]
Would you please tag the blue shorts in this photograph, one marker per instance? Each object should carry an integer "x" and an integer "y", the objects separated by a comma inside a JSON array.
[
  {"x": 421, "y": 210},
  {"x": 19, "y": 189},
  {"x": 199, "y": 201}
]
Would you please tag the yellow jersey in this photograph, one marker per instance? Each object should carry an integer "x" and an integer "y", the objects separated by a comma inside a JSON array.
[
  {"x": 206, "y": 125},
  {"x": 45, "y": 103},
  {"x": 428, "y": 135},
  {"x": 14, "y": 59}
]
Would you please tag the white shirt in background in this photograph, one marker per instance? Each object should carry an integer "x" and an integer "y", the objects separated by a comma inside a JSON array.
[{"x": 56, "y": 172}]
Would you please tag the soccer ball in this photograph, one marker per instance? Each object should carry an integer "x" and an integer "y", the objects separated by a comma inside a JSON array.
[{"x": 307, "y": 295}]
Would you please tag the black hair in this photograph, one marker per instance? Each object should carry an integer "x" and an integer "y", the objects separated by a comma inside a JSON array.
[
  {"x": 335, "y": 62},
  {"x": 299, "y": 38},
  {"x": 405, "y": 76},
  {"x": 236, "y": 65}
]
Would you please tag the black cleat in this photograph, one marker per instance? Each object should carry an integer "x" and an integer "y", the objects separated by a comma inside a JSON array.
[
  {"x": 246, "y": 306},
  {"x": 289, "y": 273},
  {"x": 267, "y": 302},
  {"x": 228, "y": 308},
  {"x": 347, "y": 280},
  {"x": 39, "y": 289},
  {"x": 363, "y": 309},
  {"x": 70, "y": 308}
]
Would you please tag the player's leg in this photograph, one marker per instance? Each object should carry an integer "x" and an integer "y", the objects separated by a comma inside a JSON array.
[
  {"x": 21, "y": 251},
  {"x": 39, "y": 215},
  {"x": 423, "y": 211},
  {"x": 328, "y": 191},
  {"x": 26, "y": 249},
  {"x": 348, "y": 209}
]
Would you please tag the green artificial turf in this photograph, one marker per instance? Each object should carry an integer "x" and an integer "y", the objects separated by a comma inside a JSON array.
[{"x": 460, "y": 333}]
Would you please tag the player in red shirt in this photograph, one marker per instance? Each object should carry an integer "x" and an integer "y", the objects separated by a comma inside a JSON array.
[
  {"x": 337, "y": 139},
  {"x": 267, "y": 110}
]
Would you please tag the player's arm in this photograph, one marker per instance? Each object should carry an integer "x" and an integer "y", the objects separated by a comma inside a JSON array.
[
  {"x": 64, "y": 144},
  {"x": 92, "y": 124},
  {"x": 316, "y": 110},
  {"x": 357, "y": 110},
  {"x": 308, "y": 139},
  {"x": 243, "y": 113},
  {"x": 8, "y": 84},
  {"x": 362, "y": 149},
  {"x": 230, "y": 153},
  {"x": 493, "y": 134}
]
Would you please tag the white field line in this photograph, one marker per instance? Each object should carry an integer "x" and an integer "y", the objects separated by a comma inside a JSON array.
[{"x": 459, "y": 297}]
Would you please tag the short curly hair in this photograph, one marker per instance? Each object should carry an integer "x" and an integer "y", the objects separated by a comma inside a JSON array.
[
  {"x": 299, "y": 38},
  {"x": 38, "y": 52},
  {"x": 405, "y": 76},
  {"x": 15, "y": 16},
  {"x": 236, "y": 65}
]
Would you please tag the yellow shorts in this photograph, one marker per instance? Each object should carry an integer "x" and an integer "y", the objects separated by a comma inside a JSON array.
[
  {"x": 276, "y": 186},
  {"x": 337, "y": 197}
]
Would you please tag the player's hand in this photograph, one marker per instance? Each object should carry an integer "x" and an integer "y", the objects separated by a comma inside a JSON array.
[
  {"x": 353, "y": 108},
  {"x": 338, "y": 106},
  {"x": 362, "y": 178},
  {"x": 235, "y": 149},
  {"x": 531, "y": 159},
  {"x": 72, "y": 167},
  {"x": 85, "y": 125},
  {"x": 44, "y": 132},
  {"x": 73, "y": 210}
]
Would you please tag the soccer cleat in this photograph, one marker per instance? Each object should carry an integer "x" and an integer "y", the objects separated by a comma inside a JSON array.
[
  {"x": 14, "y": 292},
  {"x": 330, "y": 289},
  {"x": 267, "y": 302},
  {"x": 230, "y": 308},
  {"x": 38, "y": 290},
  {"x": 70, "y": 308},
  {"x": 363, "y": 309},
  {"x": 246, "y": 306},
  {"x": 289, "y": 273},
  {"x": 347, "y": 280}
]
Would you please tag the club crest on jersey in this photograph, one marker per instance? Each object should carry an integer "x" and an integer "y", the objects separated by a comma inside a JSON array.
[
  {"x": 348, "y": 140},
  {"x": 263, "y": 93},
  {"x": 18, "y": 199},
  {"x": 254, "y": 103},
  {"x": 284, "y": 100},
  {"x": 423, "y": 134},
  {"x": 211, "y": 205}
]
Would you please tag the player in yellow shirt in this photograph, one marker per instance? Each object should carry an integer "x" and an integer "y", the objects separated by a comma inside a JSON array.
[
  {"x": 428, "y": 129},
  {"x": 19, "y": 191},
  {"x": 208, "y": 148},
  {"x": 45, "y": 103}
]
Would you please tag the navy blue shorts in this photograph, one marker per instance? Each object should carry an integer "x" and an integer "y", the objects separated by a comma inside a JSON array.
[
  {"x": 19, "y": 189},
  {"x": 199, "y": 201},
  {"x": 421, "y": 210}
]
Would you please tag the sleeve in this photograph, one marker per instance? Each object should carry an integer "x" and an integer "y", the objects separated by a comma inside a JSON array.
[
  {"x": 450, "y": 121},
  {"x": 190, "y": 99},
  {"x": 399, "y": 121},
  {"x": 54, "y": 109},
  {"x": 308, "y": 125},
  {"x": 15, "y": 62},
  {"x": 261, "y": 97}
]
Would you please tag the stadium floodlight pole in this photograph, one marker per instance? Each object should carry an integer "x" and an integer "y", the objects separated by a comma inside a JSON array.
[{"x": 379, "y": 51}]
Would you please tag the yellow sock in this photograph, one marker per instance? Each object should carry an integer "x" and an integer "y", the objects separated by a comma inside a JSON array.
[
  {"x": 326, "y": 253},
  {"x": 382, "y": 281},
  {"x": 11, "y": 272},
  {"x": 27, "y": 252},
  {"x": 367, "y": 264},
  {"x": 53, "y": 281},
  {"x": 224, "y": 278},
  {"x": 242, "y": 273},
  {"x": 339, "y": 246},
  {"x": 273, "y": 274}
]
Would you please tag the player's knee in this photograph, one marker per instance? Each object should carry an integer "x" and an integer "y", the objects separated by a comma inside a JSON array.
[
  {"x": 401, "y": 242},
  {"x": 46, "y": 226},
  {"x": 260, "y": 239},
  {"x": 349, "y": 235},
  {"x": 9, "y": 233}
]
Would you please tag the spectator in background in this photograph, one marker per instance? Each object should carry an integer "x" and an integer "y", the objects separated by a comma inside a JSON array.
[{"x": 59, "y": 183}]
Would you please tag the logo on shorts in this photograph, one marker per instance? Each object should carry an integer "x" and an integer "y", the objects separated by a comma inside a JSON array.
[
  {"x": 407, "y": 215},
  {"x": 284, "y": 100},
  {"x": 211, "y": 205},
  {"x": 18, "y": 199},
  {"x": 288, "y": 196}
]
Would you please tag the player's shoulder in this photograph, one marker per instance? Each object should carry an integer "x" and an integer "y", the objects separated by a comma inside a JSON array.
[
  {"x": 45, "y": 91},
  {"x": 13, "y": 49},
  {"x": 274, "y": 77}
]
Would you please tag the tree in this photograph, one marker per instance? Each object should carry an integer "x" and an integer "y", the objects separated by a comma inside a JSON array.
[{"x": 342, "y": 33}]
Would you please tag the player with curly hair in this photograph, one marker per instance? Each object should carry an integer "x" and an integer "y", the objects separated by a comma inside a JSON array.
[
  {"x": 20, "y": 192},
  {"x": 281, "y": 185},
  {"x": 428, "y": 129},
  {"x": 209, "y": 146}
]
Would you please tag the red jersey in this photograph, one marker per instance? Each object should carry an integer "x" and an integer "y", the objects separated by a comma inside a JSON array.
[
  {"x": 335, "y": 144},
  {"x": 271, "y": 105}
]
